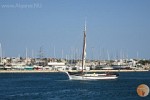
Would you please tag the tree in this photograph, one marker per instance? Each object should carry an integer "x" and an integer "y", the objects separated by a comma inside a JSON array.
[{"x": 144, "y": 62}]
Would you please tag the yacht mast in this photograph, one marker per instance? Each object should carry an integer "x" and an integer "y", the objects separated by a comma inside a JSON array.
[
  {"x": 84, "y": 47},
  {"x": 1, "y": 52},
  {"x": 26, "y": 54}
]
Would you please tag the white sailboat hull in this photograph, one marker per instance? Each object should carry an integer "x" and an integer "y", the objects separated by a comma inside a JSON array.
[{"x": 91, "y": 77}]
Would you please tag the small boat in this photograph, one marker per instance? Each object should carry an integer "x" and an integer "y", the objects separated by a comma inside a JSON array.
[{"x": 83, "y": 75}]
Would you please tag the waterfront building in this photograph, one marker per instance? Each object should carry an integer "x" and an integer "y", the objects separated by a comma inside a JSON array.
[{"x": 59, "y": 66}]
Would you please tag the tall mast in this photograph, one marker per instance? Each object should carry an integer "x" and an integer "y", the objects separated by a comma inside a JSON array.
[
  {"x": 84, "y": 47},
  {"x": 26, "y": 54},
  {"x": 1, "y": 52}
]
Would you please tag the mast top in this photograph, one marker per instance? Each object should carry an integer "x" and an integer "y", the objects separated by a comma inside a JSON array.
[{"x": 85, "y": 26}]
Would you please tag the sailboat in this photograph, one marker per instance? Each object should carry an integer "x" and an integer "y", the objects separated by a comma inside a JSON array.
[{"x": 83, "y": 75}]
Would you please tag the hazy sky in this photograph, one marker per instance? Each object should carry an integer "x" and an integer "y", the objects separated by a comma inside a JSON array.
[{"x": 119, "y": 27}]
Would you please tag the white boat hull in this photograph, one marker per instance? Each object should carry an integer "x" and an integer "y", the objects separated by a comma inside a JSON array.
[{"x": 91, "y": 77}]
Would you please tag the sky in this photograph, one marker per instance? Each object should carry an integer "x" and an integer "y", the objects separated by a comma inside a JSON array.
[{"x": 115, "y": 28}]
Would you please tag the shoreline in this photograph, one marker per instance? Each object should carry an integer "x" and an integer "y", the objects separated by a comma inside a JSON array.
[{"x": 52, "y": 71}]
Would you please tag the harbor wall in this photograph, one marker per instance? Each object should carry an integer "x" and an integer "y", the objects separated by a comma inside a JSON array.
[{"x": 48, "y": 71}]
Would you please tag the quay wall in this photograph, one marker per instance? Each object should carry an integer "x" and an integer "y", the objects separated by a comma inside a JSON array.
[{"x": 49, "y": 71}]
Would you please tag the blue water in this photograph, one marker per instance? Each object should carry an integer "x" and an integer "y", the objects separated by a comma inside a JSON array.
[{"x": 56, "y": 86}]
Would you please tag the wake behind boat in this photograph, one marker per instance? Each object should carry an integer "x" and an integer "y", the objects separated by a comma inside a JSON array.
[{"x": 82, "y": 75}]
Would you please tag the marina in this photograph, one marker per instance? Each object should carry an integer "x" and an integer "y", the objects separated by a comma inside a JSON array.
[
  {"x": 46, "y": 65},
  {"x": 33, "y": 65}
]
